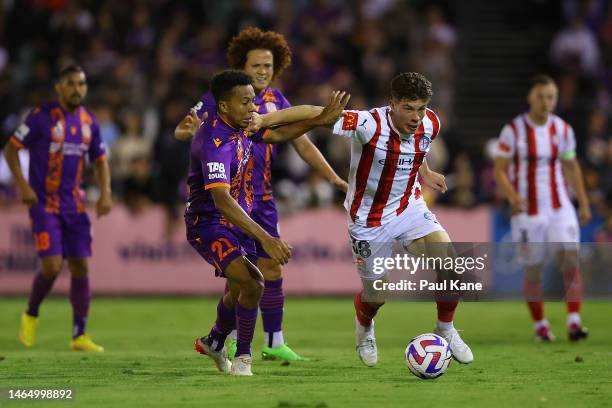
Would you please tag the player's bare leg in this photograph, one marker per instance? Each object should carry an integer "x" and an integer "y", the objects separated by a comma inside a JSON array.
[
  {"x": 534, "y": 297},
  {"x": 80, "y": 298},
  {"x": 367, "y": 302},
  {"x": 272, "y": 309},
  {"x": 572, "y": 281},
  {"x": 51, "y": 266},
  {"x": 438, "y": 244}
]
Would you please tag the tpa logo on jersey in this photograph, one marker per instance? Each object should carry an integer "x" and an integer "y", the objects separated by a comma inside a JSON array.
[
  {"x": 216, "y": 170},
  {"x": 424, "y": 143},
  {"x": 350, "y": 121},
  {"x": 22, "y": 131}
]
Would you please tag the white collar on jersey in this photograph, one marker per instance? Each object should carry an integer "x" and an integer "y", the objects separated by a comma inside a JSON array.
[
  {"x": 530, "y": 122},
  {"x": 403, "y": 136}
]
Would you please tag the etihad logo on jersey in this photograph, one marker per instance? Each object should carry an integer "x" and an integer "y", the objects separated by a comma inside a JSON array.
[
  {"x": 397, "y": 162},
  {"x": 350, "y": 121},
  {"x": 217, "y": 141}
]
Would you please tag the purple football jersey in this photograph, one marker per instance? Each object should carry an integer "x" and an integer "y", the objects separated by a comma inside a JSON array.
[
  {"x": 268, "y": 100},
  {"x": 60, "y": 144},
  {"x": 220, "y": 156}
]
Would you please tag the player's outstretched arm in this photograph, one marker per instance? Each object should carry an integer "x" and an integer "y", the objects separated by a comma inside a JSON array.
[
  {"x": 313, "y": 156},
  {"x": 328, "y": 116},
  {"x": 573, "y": 174},
  {"x": 26, "y": 193},
  {"x": 278, "y": 249},
  {"x": 187, "y": 128},
  {"x": 286, "y": 116},
  {"x": 105, "y": 202},
  {"x": 517, "y": 202}
]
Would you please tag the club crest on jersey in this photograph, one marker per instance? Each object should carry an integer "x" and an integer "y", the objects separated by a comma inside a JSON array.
[
  {"x": 86, "y": 133},
  {"x": 350, "y": 121},
  {"x": 424, "y": 143},
  {"x": 57, "y": 133},
  {"x": 271, "y": 107}
]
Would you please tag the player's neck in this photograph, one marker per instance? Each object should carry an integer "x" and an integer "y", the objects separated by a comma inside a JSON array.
[
  {"x": 536, "y": 119},
  {"x": 68, "y": 109},
  {"x": 227, "y": 121}
]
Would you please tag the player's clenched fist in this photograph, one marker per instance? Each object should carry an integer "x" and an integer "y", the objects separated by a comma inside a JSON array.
[
  {"x": 27, "y": 195},
  {"x": 278, "y": 249},
  {"x": 334, "y": 108}
]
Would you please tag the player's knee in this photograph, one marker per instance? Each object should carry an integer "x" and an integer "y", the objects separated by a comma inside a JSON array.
[
  {"x": 271, "y": 271},
  {"x": 78, "y": 267},
  {"x": 51, "y": 267},
  {"x": 253, "y": 288}
]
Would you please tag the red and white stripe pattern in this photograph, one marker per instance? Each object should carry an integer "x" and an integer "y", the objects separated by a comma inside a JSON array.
[
  {"x": 536, "y": 167},
  {"x": 384, "y": 170}
]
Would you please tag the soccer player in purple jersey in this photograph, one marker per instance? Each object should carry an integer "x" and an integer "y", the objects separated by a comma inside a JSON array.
[
  {"x": 264, "y": 56},
  {"x": 62, "y": 137},
  {"x": 221, "y": 185}
]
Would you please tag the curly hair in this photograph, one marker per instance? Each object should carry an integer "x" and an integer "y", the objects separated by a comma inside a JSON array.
[
  {"x": 252, "y": 38},
  {"x": 411, "y": 86}
]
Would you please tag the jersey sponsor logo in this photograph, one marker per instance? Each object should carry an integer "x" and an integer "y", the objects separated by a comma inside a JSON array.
[
  {"x": 22, "y": 131},
  {"x": 215, "y": 167},
  {"x": 397, "y": 162},
  {"x": 424, "y": 143},
  {"x": 69, "y": 149},
  {"x": 350, "y": 121},
  {"x": 217, "y": 141}
]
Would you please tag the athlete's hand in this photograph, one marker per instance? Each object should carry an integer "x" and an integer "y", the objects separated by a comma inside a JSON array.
[
  {"x": 518, "y": 204},
  {"x": 255, "y": 123},
  {"x": 584, "y": 214},
  {"x": 189, "y": 125},
  {"x": 334, "y": 108},
  {"x": 435, "y": 180},
  {"x": 27, "y": 195},
  {"x": 278, "y": 249},
  {"x": 104, "y": 205},
  {"x": 340, "y": 184}
]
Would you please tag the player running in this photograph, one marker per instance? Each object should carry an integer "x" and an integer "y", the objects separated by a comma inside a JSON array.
[
  {"x": 536, "y": 155},
  {"x": 221, "y": 182},
  {"x": 264, "y": 56},
  {"x": 62, "y": 137},
  {"x": 384, "y": 201}
]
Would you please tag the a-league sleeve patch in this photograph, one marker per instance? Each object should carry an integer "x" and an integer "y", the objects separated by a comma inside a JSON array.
[
  {"x": 504, "y": 147},
  {"x": 350, "y": 121}
]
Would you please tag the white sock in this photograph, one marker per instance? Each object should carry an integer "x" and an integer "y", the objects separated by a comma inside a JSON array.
[
  {"x": 233, "y": 334},
  {"x": 541, "y": 323},
  {"x": 444, "y": 326},
  {"x": 573, "y": 318},
  {"x": 363, "y": 331},
  {"x": 277, "y": 339}
]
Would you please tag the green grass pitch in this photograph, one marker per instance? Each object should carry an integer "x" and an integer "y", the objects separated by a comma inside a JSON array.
[{"x": 150, "y": 360}]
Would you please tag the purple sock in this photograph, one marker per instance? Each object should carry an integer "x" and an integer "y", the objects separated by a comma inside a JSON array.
[
  {"x": 272, "y": 306},
  {"x": 40, "y": 288},
  {"x": 80, "y": 298},
  {"x": 225, "y": 323},
  {"x": 245, "y": 322}
]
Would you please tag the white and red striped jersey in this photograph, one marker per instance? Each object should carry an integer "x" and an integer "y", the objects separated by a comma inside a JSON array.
[
  {"x": 383, "y": 178},
  {"x": 536, "y": 153}
]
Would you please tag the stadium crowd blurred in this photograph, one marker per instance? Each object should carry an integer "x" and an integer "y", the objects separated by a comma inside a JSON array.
[{"x": 148, "y": 61}]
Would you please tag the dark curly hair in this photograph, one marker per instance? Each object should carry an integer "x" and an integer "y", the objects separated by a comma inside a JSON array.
[
  {"x": 252, "y": 38},
  {"x": 411, "y": 86},
  {"x": 225, "y": 81}
]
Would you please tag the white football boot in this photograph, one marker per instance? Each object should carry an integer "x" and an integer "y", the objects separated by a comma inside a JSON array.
[
  {"x": 461, "y": 351},
  {"x": 242, "y": 365},
  {"x": 219, "y": 357},
  {"x": 365, "y": 344}
]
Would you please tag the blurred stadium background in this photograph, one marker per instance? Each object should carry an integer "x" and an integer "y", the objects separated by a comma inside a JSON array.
[{"x": 147, "y": 63}]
